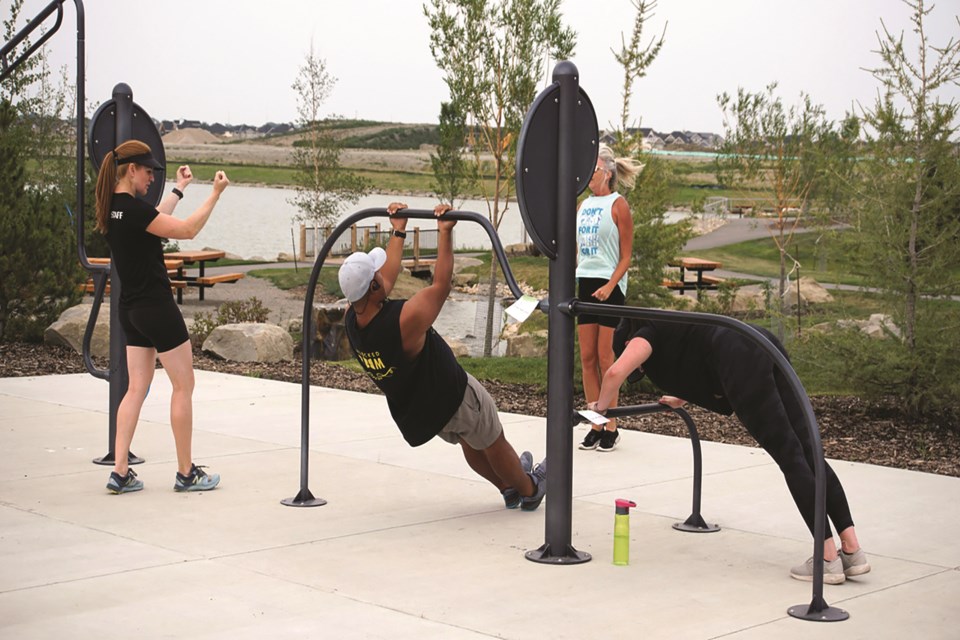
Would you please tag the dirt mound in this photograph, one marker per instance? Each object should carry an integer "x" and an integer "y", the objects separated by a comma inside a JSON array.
[{"x": 190, "y": 136}]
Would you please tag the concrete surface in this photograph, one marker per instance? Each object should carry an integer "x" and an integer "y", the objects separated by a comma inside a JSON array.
[{"x": 412, "y": 544}]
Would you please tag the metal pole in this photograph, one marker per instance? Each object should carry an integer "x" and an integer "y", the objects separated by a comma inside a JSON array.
[
  {"x": 123, "y": 131},
  {"x": 557, "y": 548}
]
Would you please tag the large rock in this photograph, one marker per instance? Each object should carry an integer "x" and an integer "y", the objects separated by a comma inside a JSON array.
[
  {"x": 250, "y": 342},
  {"x": 330, "y": 340},
  {"x": 811, "y": 292},
  {"x": 527, "y": 345},
  {"x": 879, "y": 326},
  {"x": 68, "y": 330}
]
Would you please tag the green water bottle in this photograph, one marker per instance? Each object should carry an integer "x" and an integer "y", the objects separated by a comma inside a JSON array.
[{"x": 621, "y": 532}]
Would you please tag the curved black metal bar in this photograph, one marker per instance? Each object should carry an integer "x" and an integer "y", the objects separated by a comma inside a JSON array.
[
  {"x": 56, "y": 5},
  {"x": 818, "y": 605},
  {"x": 99, "y": 286},
  {"x": 695, "y": 523},
  {"x": 305, "y": 498}
]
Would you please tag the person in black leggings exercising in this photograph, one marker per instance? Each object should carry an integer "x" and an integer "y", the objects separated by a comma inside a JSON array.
[{"x": 723, "y": 371}]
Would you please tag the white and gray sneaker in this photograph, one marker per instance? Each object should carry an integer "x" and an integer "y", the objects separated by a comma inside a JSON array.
[
  {"x": 539, "y": 477},
  {"x": 832, "y": 571},
  {"x": 854, "y": 564}
]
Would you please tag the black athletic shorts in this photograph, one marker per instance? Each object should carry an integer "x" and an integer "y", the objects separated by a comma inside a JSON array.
[
  {"x": 585, "y": 289},
  {"x": 160, "y": 326}
]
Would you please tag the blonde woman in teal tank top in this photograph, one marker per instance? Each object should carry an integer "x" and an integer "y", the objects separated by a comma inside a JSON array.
[{"x": 604, "y": 250}]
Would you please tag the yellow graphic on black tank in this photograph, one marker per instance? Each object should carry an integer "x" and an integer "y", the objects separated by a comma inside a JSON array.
[{"x": 373, "y": 364}]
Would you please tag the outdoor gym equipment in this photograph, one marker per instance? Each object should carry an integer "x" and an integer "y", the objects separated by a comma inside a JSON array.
[{"x": 116, "y": 121}]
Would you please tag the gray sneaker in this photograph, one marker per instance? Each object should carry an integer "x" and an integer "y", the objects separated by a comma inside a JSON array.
[
  {"x": 124, "y": 484},
  {"x": 196, "y": 480},
  {"x": 832, "y": 571},
  {"x": 539, "y": 477},
  {"x": 854, "y": 564},
  {"x": 511, "y": 497}
]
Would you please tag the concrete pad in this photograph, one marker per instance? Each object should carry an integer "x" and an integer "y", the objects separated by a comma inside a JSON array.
[{"x": 412, "y": 544}]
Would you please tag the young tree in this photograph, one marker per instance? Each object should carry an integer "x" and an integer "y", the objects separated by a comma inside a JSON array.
[
  {"x": 492, "y": 54},
  {"x": 323, "y": 186},
  {"x": 777, "y": 149},
  {"x": 907, "y": 210},
  {"x": 453, "y": 176},
  {"x": 655, "y": 242}
]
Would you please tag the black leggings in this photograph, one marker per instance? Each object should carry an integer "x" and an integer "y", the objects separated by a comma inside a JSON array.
[{"x": 769, "y": 409}]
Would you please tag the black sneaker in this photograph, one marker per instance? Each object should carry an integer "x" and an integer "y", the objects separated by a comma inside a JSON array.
[
  {"x": 609, "y": 440},
  {"x": 196, "y": 480},
  {"x": 539, "y": 477},
  {"x": 591, "y": 440},
  {"x": 124, "y": 484}
]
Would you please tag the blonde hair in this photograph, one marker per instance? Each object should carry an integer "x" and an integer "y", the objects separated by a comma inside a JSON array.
[
  {"x": 110, "y": 174},
  {"x": 623, "y": 171}
]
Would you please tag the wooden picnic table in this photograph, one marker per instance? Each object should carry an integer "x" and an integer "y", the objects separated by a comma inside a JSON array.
[
  {"x": 699, "y": 266},
  {"x": 201, "y": 281}
]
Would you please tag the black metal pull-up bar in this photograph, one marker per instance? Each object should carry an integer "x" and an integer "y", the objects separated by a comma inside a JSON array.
[{"x": 304, "y": 497}]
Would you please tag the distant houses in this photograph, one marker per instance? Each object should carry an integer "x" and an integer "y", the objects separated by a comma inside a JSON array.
[
  {"x": 675, "y": 140},
  {"x": 649, "y": 137}
]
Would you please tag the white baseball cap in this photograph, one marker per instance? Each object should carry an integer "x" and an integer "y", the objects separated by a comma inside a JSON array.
[{"x": 357, "y": 271}]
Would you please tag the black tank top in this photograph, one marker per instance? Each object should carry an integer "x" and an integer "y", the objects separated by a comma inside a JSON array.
[{"x": 423, "y": 393}]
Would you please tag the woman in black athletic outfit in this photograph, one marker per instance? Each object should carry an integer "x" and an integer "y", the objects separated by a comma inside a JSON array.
[{"x": 152, "y": 323}]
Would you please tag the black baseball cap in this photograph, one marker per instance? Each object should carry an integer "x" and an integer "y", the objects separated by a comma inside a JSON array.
[{"x": 142, "y": 159}]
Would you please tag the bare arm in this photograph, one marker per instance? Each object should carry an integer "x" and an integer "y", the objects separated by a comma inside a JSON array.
[
  {"x": 624, "y": 221},
  {"x": 421, "y": 311},
  {"x": 390, "y": 270},
  {"x": 634, "y": 355},
  {"x": 171, "y": 200},
  {"x": 166, "y": 226}
]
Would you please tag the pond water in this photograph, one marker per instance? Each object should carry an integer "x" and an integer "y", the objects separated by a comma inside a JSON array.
[{"x": 259, "y": 221}]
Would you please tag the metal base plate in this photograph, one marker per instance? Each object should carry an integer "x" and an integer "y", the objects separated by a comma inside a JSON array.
[
  {"x": 695, "y": 525},
  {"x": 824, "y": 614},
  {"x": 110, "y": 459},
  {"x": 543, "y": 555},
  {"x": 303, "y": 499}
]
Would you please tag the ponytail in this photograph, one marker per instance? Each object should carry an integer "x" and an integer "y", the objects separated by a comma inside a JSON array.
[
  {"x": 623, "y": 171},
  {"x": 109, "y": 175}
]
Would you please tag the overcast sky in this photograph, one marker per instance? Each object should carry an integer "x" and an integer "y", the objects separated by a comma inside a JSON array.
[{"x": 233, "y": 61}]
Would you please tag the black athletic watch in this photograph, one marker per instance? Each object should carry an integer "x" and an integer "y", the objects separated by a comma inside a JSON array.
[{"x": 400, "y": 234}]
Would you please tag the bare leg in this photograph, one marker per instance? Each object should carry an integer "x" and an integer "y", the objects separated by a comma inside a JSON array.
[
  {"x": 141, "y": 364},
  {"x": 500, "y": 465},
  {"x": 589, "y": 363},
  {"x": 848, "y": 540},
  {"x": 605, "y": 360},
  {"x": 178, "y": 363}
]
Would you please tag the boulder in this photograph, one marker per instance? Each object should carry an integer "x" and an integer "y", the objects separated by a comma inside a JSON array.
[
  {"x": 460, "y": 350},
  {"x": 811, "y": 292},
  {"x": 878, "y": 325},
  {"x": 250, "y": 342},
  {"x": 527, "y": 345},
  {"x": 464, "y": 279},
  {"x": 330, "y": 339},
  {"x": 69, "y": 327},
  {"x": 749, "y": 299}
]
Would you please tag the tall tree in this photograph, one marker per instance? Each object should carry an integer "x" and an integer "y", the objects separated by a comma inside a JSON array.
[
  {"x": 776, "y": 149},
  {"x": 453, "y": 175},
  {"x": 655, "y": 242},
  {"x": 323, "y": 186},
  {"x": 493, "y": 53},
  {"x": 907, "y": 208}
]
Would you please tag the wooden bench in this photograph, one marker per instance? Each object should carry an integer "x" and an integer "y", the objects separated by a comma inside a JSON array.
[
  {"x": 209, "y": 281},
  {"x": 88, "y": 286}
]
